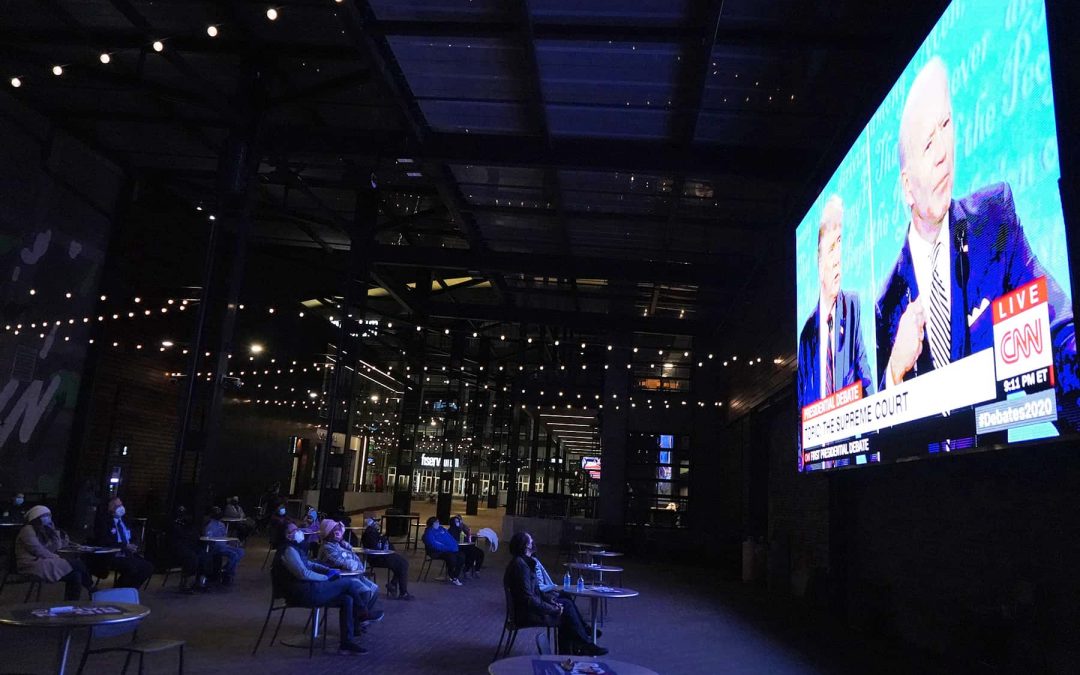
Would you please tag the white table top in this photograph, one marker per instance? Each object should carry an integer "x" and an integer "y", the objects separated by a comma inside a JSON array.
[
  {"x": 592, "y": 592},
  {"x": 596, "y": 567},
  {"x": 523, "y": 665}
]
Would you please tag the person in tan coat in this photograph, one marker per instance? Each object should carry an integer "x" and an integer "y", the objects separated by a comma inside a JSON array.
[{"x": 36, "y": 553}]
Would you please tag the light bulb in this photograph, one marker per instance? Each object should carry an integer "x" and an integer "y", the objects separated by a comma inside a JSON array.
[
  {"x": 57, "y": 71},
  {"x": 212, "y": 31},
  {"x": 159, "y": 46},
  {"x": 16, "y": 82},
  {"x": 272, "y": 14},
  {"x": 105, "y": 58}
]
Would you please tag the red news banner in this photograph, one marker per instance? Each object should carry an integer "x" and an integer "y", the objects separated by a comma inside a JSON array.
[
  {"x": 838, "y": 399},
  {"x": 1023, "y": 353}
]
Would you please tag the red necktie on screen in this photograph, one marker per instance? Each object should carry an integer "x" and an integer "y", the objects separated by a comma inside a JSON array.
[{"x": 829, "y": 360}]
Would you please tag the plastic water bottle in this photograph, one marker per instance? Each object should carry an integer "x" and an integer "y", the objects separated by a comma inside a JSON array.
[
  {"x": 461, "y": 537},
  {"x": 566, "y": 581},
  {"x": 580, "y": 583}
]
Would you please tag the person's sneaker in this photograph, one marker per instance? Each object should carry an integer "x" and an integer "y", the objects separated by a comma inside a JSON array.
[
  {"x": 406, "y": 596},
  {"x": 351, "y": 648},
  {"x": 372, "y": 617},
  {"x": 456, "y": 582}
]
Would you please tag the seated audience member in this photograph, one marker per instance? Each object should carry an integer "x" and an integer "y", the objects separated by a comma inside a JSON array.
[
  {"x": 306, "y": 582},
  {"x": 534, "y": 606},
  {"x": 398, "y": 586},
  {"x": 233, "y": 511},
  {"x": 112, "y": 530},
  {"x": 474, "y": 555},
  {"x": 226, "y": 556},
  {"x": 36, "y": 553},
  {"x": 188, "y": 552},
  {"x": 335, "y": 552},
  {"x": 311, "y": 519},
  {"x": 15, "y": 512},
  {"x": 441, "y": 546},
  {"x": 278, "y": 521}
]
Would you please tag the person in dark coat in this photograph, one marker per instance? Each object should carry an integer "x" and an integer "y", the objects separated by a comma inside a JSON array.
[
  {"x": 535, "y": 607},
  {"x": 398, "y": 586},
  {"x": 111, "y": 529}
]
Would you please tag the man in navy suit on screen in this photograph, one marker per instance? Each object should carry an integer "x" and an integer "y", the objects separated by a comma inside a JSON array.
[
  {"x": 958, "y": 256},
  {"x": 831, "y": 351}
]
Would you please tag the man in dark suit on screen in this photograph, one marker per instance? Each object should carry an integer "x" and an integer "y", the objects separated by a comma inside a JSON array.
[
  {"x": 831, "y": 351},
  {"x": 958, "y": 256}
]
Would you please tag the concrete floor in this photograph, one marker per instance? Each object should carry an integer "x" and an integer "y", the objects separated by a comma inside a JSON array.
[{"x": 685, "y": 621}]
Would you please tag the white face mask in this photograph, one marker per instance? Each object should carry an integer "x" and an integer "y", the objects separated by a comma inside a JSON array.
[
  {"x": 18, "y": 501},
  {"x": 298, "y": 537},
  {"x": 281, "y": 512},
  {"x": 119, "y": 512}
]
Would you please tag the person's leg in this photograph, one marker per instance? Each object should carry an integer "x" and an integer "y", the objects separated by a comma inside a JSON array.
[
  {"x": 399, "y": 566},
  {"x": 127, "y": 572},
  {"x": 453, "y": 566},
  {"x": 336, "y": 593},
  {"x": 78, "y": 567},
  {"x": 572, "y": 624},
  {"x": 72, "y": 586}
]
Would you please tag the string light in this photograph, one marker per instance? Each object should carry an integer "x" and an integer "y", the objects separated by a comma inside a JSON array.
[
  {"x": 272, "y": 14},
  {"x": 212, "y": 30},
  {"x": 16, "y": 82},
  {"x": 57, "y": 70},
  {"x": 105, "y": 58}
]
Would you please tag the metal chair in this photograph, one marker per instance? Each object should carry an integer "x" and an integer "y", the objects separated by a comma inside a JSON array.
[
  {"x": 316, "y": 619},
  {"x": 511, "y": 627},
  {"x": 425, "y": 565},
  {"x": 543, "y": 644},
  {"x": 136, "y": 646},
  {"x": 11, "y": 576}
]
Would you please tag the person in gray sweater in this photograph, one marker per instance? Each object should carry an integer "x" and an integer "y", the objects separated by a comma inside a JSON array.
[{"x": 308, "y": 583}]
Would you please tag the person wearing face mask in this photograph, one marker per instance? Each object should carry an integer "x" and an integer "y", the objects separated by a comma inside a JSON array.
[
  {"x": 188, "y": 552},
  {"x": 535, "y": 607},
  {"x": 233, "y": 511},
  {"x": 226, "y": 556},
  {"x": 441, "y": 546},
  {"x": 398, "y": 586},
  {"x": 16, "y": 512},
  {"x": 112, "y": 530},
  {"x": 306, "y": 582},
  {"x": 278, "y": 521},
  {"x": 36, "y": 553},
  {"x": 335, "y": 552},
  {"x": 474, "y": 555}
]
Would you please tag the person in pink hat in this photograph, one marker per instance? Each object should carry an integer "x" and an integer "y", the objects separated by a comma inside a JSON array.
[{"x": 36, "y": 553}]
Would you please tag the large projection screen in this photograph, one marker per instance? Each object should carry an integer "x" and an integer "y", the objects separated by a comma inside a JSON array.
[{"x": 934, "y": 310}]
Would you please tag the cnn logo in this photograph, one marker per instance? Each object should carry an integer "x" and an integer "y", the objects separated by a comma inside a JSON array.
[{"x": 1021, "y": 343}]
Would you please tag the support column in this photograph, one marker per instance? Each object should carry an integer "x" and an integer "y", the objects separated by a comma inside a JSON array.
[
  {"x": 518, "y": 418},
  {"x": 480, "y": 413},
  {"x": 614, "y": 424},
  {"x": 411, "y": 402},
  {"x": 196, "y": 451},
  {"x": 361, "y": 234}
]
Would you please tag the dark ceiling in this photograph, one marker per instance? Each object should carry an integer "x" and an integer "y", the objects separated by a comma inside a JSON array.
[{"x": 584, "y": 169}]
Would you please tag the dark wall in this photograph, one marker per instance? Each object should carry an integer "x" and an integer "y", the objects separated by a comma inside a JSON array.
[
  {"x": 56, "y": 204},
  {"x": 972, "y": 557},
  {"x": 255, "y": 448}
]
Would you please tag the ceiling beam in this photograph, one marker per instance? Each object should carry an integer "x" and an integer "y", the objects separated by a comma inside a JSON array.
[
  {"x": 775, "y": 164},
  {"x": 587, "y": 322},
  {"x": 558, "y": 265},
  {"x": 747, "y": 34}
]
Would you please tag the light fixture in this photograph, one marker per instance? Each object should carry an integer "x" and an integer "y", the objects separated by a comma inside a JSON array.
[
  {"x": 166, "y": 343},
  {"x": 212, "y": 30},
  {"x": 57, "y": 71},
  {"x": 16, "y": 82},
  {"x": 158, "y": 46},
  {"x": 105, "y": 58},
  {"x": 272, "y": 14},
  {"x": 257, "y": 348}
]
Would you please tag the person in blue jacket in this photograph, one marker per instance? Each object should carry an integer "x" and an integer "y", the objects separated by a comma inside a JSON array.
[{"x": 441, "y": 546}]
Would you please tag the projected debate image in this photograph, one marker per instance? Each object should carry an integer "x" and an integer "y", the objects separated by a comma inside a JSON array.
[{"x": 933, "y": 294}]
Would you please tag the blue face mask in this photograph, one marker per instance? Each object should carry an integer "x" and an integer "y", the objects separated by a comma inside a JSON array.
[
  {"x": 18, "y": 501},
  {"x": 281, "y": 512}
]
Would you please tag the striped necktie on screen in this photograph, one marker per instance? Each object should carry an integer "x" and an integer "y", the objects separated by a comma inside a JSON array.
[
  {"x": 939, "y": 328},
  {"x": 829, "y": 366}
]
